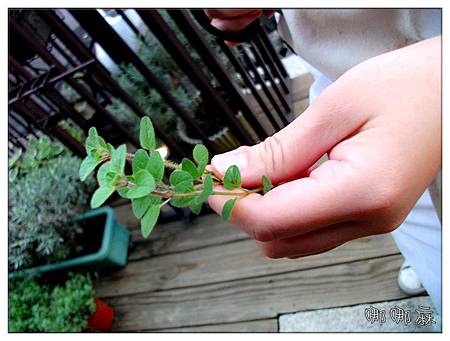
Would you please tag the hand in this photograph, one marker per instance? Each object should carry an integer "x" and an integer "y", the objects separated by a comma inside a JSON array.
[
  {"x": 233, "y": 20},
  {"x": 380, "y": 124}
]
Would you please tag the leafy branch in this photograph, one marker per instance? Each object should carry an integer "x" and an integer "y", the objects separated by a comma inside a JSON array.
[{"x": 190, "y": 183}]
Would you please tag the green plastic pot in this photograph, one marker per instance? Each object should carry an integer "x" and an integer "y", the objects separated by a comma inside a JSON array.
[{"x": 112, "y": 252}]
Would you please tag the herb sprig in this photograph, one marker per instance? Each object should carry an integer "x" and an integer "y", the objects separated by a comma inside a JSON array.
[{"x": 190, "y": 183}]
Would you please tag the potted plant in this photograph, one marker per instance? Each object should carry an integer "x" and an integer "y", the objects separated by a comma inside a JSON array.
[
  {"x": 37, "y": 305},
  {"x": 47, "y": 230}
]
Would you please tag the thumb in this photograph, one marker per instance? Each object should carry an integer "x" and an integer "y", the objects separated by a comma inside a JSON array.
[{"x": 291, "y": 151}]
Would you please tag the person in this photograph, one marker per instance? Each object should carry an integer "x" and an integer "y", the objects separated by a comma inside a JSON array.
[{"x": 376, "y": 113}]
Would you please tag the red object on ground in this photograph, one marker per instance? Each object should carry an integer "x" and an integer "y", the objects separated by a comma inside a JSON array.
[{"x": 102, "y": 318}]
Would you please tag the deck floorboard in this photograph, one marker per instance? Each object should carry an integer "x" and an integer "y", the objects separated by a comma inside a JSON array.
[{"x": 209, "y": 276}]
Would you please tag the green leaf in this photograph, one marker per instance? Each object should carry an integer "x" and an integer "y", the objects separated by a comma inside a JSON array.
[
  {"x": 200, "y": 154},
  {"x": 197, "y": 201},
  {"x": 207, "y": 187},
  {"x": 188, "y": 166},
  {"x": 267, "y": 184},
  {"x": 106, "y": 176},
  {"x": 196, "y": 205},
  {"x": 140, "y": 161},
  {"x": 184, "y": 201},
  {"x": 33, "y": 144},
  {"x": 95, "y": 145},
  {"x": 29, "y": 158},
  {"x": 232, "y": 178},
  {"x": 13, "y": 174},
  {"x": 100, "y": 195},
  {"x": 182, "y": 182},
  {"x": 118, "y": 159},
  {"x": 227, "y": 208},
  {"x": 14, "y": 158},
  {"x": 143, "y": 184},
  {"x": 147, "y": 134},
  {"x": 56, "y": 149},
  {"x": 156, "y": 166},
  {"x": 87, "y": 166},
  {"x": 92, "y": 141},
  {"x": 44, "y": 147},
  {"x": 180, "y": 176},
  {"x": 123, "y": 192},
  {"x": 140, "y": 205},
  {"x": 149, "y": 220}
]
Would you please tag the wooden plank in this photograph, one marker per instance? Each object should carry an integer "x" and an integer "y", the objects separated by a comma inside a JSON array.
[
  {"x": 260, "y": 297},
  {"x": 177, "y": 236},
  {"x": 237, "y": 260},
  {"x": 259, "y": 326}
]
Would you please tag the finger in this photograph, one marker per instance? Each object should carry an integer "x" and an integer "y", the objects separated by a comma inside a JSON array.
[
  {"x": 230, "y": 13},
  {"x": 268, "y": 13},
  {"x": 312, "y": 254},
  {"x": 236, "y": 23},
  {"x": 314, "y": 242},
  {"x": 331, "y": 195},
  {"x": 231, "y": 43},
  {"x": 291, "y": 151}
]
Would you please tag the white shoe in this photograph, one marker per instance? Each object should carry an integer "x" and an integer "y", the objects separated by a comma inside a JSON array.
[{"x": 408, "y": 281}]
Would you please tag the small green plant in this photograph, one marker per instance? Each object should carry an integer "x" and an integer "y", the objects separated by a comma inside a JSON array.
[
  {"x": 37, "y": 307},
  {"x": 44, "y": 194},
  {"x": 190, "y": 183},
  {"x": 38, "y": 153}
]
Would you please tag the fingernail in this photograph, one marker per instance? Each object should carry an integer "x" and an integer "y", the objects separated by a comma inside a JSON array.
[{"x": 223, "y": 161}]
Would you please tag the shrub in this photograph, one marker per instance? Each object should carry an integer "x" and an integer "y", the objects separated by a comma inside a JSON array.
[
  {"x": 43, "y": 195},
  {"x": 35, "y": 307}
]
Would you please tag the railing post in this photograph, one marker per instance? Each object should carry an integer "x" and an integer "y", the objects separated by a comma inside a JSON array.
[
  {"x": 77, "y": 47},
  {"x": 266, "y": 91},
  {"x": 119, "y": 51},
  {"x": 239, "y": 68},
  {"x": 183, "y": 21},
  {"x": 179, "y": 53},
  {"x": 50, "y": 59}
]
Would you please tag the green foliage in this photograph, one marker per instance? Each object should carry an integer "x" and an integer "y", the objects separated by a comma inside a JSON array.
[
  {"x": 39, "y": 152},
  {"x": 266, "y": 183},
  {"x": 227, "y": 208},
  {"x": 190, "y": 184},
  {"x": 232, "y": 178},
  {"x": 142, "y": 184},
  {"x": 174, "y": 80},
  {"x": 147, "y": 134},
  {"x": 40, "y": 307},
  {"x": 97, "y": 151},
  {"x": 149, "y": 220},
  {"x": 72, "y": 129},
  {"x": 45, "y": 194}
]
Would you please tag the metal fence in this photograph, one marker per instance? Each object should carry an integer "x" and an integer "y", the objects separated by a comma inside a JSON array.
[{"x": 246, "y": 88}]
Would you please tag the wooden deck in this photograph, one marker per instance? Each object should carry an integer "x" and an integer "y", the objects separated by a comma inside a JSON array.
[{"x": 209, "y": 276}]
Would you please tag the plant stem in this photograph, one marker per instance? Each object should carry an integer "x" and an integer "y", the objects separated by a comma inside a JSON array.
[
  {"x": 164, "y": 186},
  {"x": 170, "y": 164},
  {"x": 241, "y": 194},
  {"x": 164, "y": 202},
  {"x": 190, "y": 194},
  {"x": 167, "y": 163}
]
